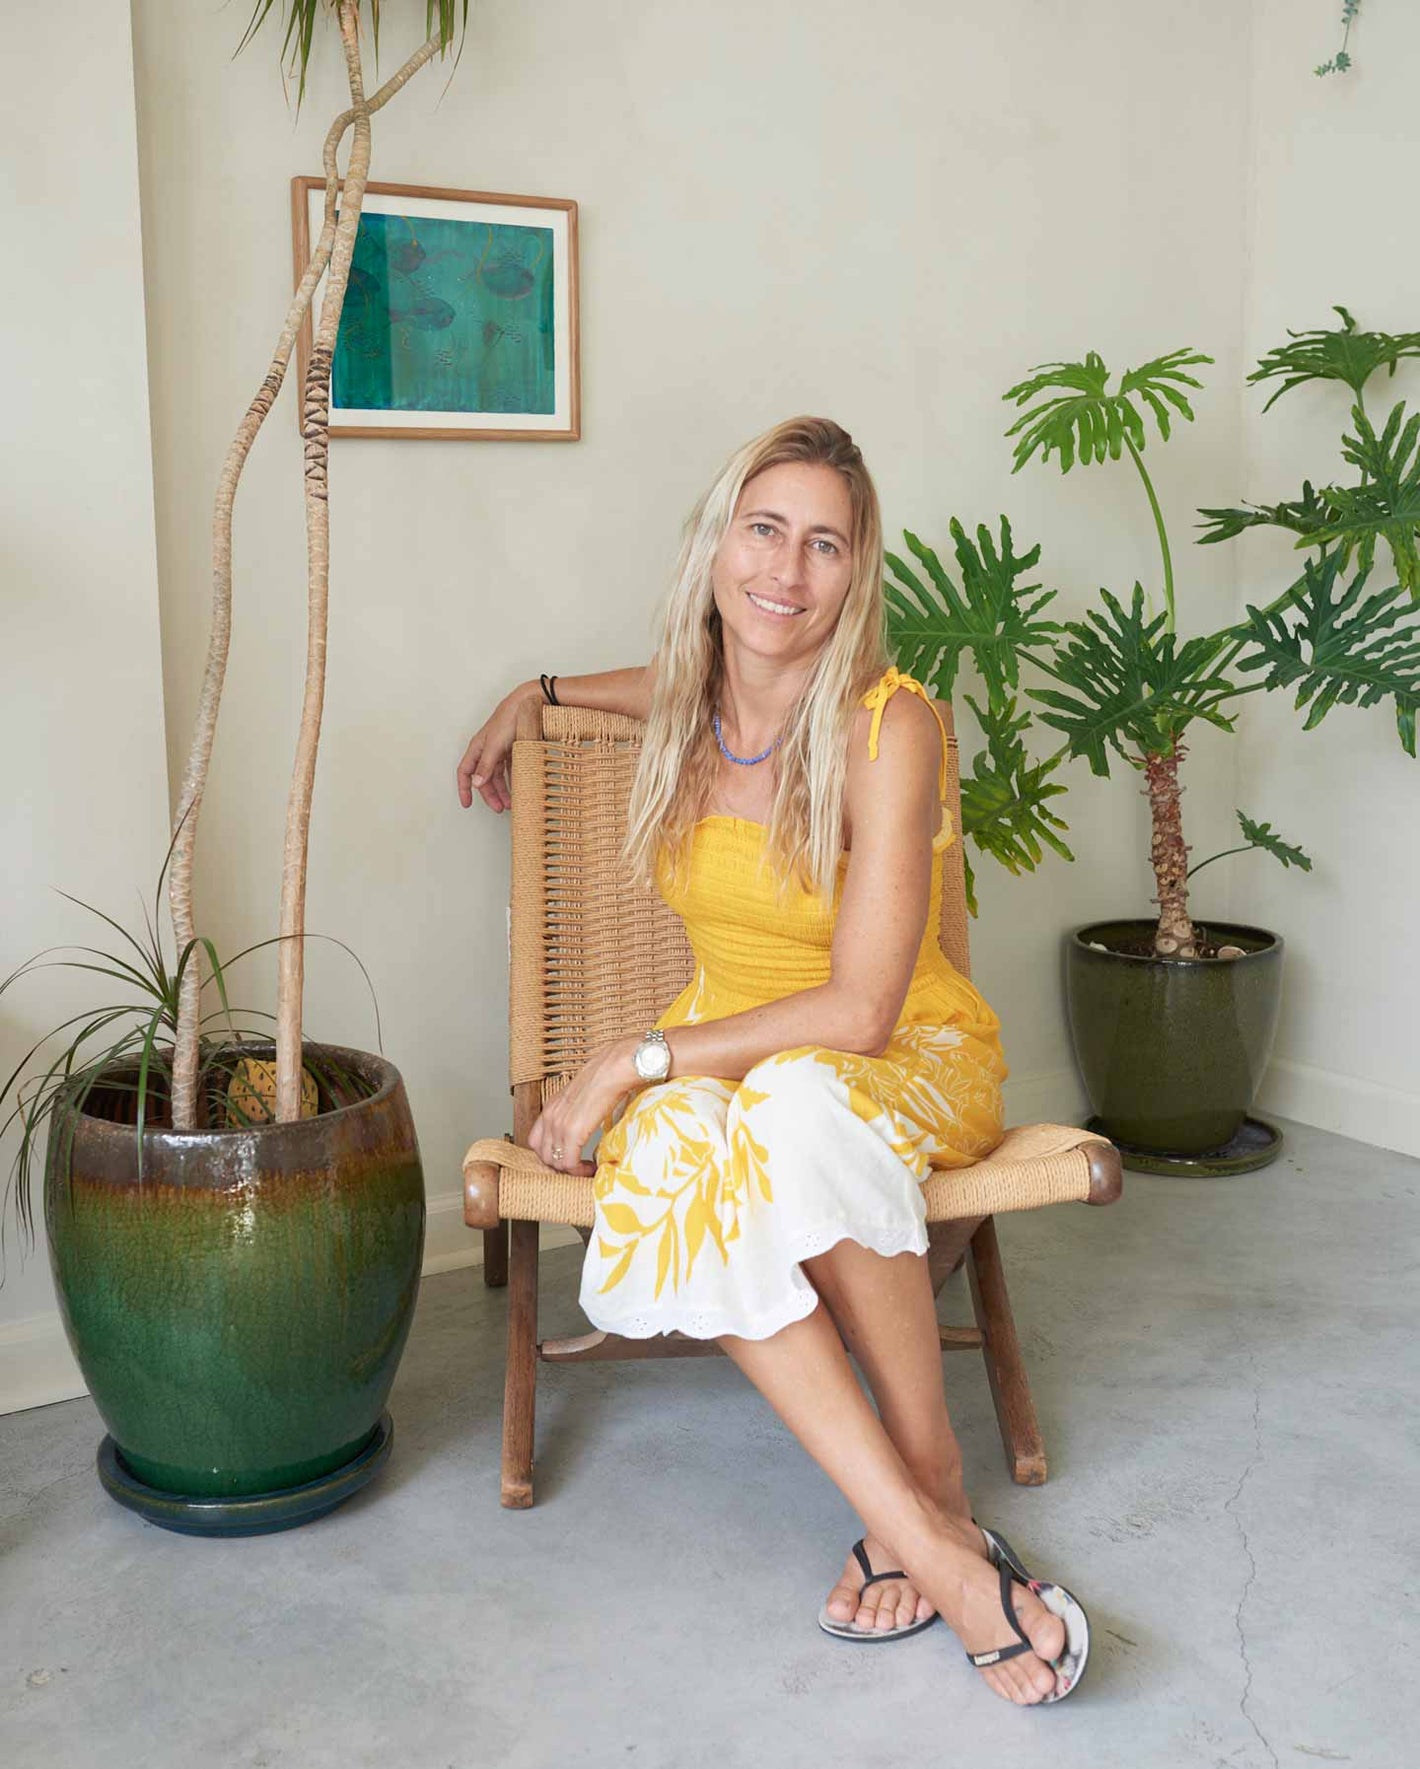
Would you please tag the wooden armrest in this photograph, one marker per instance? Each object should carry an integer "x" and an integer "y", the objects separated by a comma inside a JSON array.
[{"x": 1106, "y": 1171}]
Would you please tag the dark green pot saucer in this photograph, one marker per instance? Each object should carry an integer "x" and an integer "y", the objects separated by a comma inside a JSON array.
[
  {"x": 255, "y": 1514},
  {"x": 1256, "y": 1143}
]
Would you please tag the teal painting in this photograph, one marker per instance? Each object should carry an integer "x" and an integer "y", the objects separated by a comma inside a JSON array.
[{"x": 447, "y": 316}]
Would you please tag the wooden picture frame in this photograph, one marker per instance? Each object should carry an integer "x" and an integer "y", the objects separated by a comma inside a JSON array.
[{"x": 454, "y": 336}]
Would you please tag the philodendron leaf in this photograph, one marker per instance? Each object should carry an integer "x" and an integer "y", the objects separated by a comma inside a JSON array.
[
  {"x": 1386, "y": 504},
  {"x": 993, "y": 615},
  {"x": 1340, "y": 354},
  {"x": 1131, "y": 685},
  {"x": 1004, "y": 797},
  {"x": 1335, "y": 644},
  {"x": 1262, "y": 835},
  {"x": 1076, "y": 416},
  {"x": 1305, "y": 516}
]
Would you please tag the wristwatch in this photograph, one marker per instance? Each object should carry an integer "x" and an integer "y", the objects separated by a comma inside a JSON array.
[{"x": 653, "y": 1056}]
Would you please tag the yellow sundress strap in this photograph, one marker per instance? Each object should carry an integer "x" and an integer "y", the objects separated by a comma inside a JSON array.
[{"x": 877, "y": 698}]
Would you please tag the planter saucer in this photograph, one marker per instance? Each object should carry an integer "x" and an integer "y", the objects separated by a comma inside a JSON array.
[
  {"x": 250, "y": 1514},
  {"x": 1257, "y": 1142}
]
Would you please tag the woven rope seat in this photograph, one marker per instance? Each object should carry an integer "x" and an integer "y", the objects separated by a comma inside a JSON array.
[
  {"x": 1035, "y": 1164},
  {"x": 592, "y": 958}
]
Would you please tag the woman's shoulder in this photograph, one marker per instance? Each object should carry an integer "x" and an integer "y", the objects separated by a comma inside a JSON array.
[{"x": 898, "y": 709}]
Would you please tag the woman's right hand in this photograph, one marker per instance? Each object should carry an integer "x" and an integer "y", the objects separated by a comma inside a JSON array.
[{"x": 484, "y": 765}]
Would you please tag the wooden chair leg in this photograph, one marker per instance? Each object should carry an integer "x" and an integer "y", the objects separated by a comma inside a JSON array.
[
  {"x": 1005, "y": 1370},
  {"x": 520, "y": 1386},
  {"x": 495, "y": 1256},
  {"x": 947, "y": 1243}
]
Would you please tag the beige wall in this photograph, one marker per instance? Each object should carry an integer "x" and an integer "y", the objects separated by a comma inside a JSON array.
[
  {"x": 885, "y": 216},
  {"x": 83, "y": 794},
  {"x": 1330, "y": 159},
  {"x": 782, "y": 210}
]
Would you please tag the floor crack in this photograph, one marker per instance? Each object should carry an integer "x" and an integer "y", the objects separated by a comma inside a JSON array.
[{"x": 1251, "y": 1562}]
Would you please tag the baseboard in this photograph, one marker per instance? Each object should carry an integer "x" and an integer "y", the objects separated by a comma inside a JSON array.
[
  {"x": 1386, "y": 1117},
  {"x": 37, "y": 1367},
  {"x": 450, "y": 1244},
  {"x": 1056, "y": 1097}
]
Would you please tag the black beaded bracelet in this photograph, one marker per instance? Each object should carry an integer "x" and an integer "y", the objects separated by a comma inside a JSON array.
[{"x": 549, "y": 693}]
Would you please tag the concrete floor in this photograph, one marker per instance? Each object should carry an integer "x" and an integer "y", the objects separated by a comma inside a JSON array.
[{"x": 1224, "y": 1372}]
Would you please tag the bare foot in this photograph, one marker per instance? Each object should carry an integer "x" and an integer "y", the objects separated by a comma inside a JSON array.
[
  {"x": 890, "y": 1603},
  {"x": 976, "y": 1620}
]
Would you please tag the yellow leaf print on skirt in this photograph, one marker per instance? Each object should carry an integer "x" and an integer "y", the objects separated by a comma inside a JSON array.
[{"x": 710, "y": 1193}]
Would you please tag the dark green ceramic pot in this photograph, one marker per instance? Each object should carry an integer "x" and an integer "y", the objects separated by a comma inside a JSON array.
[
  {"x": 1171, "y": 1052},
  {"x": 239, "y": 1312}
]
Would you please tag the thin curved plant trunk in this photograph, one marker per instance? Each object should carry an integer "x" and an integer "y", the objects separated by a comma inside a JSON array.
[
  {"x": 186, "y": 1056},
  {"x": 315, "y": 431}
]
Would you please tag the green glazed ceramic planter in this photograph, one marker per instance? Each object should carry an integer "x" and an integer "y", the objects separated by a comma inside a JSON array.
[
  {"x": 1172, "y": 1052},
  {"x": 239, "y": 1311}
]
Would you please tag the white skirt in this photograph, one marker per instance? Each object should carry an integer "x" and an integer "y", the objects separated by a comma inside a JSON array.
[{"x": 709, "y": 1193}]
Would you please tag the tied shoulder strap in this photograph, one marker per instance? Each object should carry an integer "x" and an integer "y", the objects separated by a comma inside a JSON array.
[{"x": 877, "y": 698}]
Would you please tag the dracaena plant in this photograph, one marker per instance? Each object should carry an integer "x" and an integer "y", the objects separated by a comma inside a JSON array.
[
  {"x": 331, "y": 258},
  {"x": 1122, "y": 684},
  {"x": 172, "y": 1033}
]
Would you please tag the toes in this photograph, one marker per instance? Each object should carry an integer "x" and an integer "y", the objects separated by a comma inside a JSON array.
[
  {"x": 842, "y": 1602},
  {"x": 1046, "y": 1632}
]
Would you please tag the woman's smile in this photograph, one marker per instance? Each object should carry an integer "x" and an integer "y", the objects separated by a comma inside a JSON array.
[{"x": 778, "y": 610}]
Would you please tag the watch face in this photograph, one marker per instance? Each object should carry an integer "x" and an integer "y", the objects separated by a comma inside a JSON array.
[{"x": 653, "y": 1061}]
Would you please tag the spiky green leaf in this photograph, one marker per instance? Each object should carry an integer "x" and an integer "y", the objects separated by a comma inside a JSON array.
[
  {"x": 1386, "y": 504},
  {"x": 1077, "y": 417},
  {"x": 1336, "y": 644},
  {"x": 1262, "y": 835},
  {"x": 1306, "y": 516},
  {"x": 1343, "y": 353},
  {"x": 993, "y": 615},
  {"x": 1128, "y": 685},
  {"x": 1005, "y": 796},
  {"x": 448, "y": 17}
]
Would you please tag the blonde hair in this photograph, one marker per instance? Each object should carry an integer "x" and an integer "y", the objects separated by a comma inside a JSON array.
[{"x": 679, "y": 756}]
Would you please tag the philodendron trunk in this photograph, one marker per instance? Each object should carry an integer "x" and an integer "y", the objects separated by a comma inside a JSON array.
[
  {"x": 1168, "y": 853},
  {"x": 315, "y": 432},
  {"x": 194, "y": 783}
]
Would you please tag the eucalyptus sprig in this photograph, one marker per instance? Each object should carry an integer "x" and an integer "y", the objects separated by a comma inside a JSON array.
[{"x": 1341, "y": 61}]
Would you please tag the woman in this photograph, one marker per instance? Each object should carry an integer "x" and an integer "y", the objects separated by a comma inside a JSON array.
[{"x": 825, "y": 1055}]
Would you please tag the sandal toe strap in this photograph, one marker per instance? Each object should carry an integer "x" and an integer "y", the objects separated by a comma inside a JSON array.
[
  {"x": 1022, "y": 1644},
  {"x": 1000, "y": 1653},
  {"x": 860, "y": 1554},
  {"x": 875, "y": 1577}
]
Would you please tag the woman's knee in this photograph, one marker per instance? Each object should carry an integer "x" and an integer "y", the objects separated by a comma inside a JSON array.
[
  {"x": 777, "y": 1098},
  {"x": 797, "y": 1078}
]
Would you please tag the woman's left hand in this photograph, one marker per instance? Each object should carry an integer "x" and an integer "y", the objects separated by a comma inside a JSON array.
[{"x": 565, "y": 1123}]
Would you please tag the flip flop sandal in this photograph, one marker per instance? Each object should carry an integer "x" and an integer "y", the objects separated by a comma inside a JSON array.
[
  {"x": 1075, "y": 1654},
  {"x": 847, "y": 1630}
]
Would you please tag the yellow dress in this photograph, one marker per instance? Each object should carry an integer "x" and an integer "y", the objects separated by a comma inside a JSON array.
[{"x": 710, "y": 1192}]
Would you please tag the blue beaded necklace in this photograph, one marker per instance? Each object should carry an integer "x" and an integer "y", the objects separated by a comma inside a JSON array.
[{"x": 741, "y": 761}]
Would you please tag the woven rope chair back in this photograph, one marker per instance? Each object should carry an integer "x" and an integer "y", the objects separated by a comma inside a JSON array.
[{"x": 592, "y": 958}]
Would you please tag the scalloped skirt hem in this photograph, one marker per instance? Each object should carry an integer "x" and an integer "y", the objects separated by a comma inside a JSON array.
[{"x": 888, "y": 1238}]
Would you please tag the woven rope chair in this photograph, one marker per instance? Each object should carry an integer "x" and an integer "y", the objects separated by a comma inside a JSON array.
[{"x": 592, "y": 960}]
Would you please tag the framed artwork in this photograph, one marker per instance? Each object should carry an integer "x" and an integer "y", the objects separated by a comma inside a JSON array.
[{"x": 460, "y": 320}]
